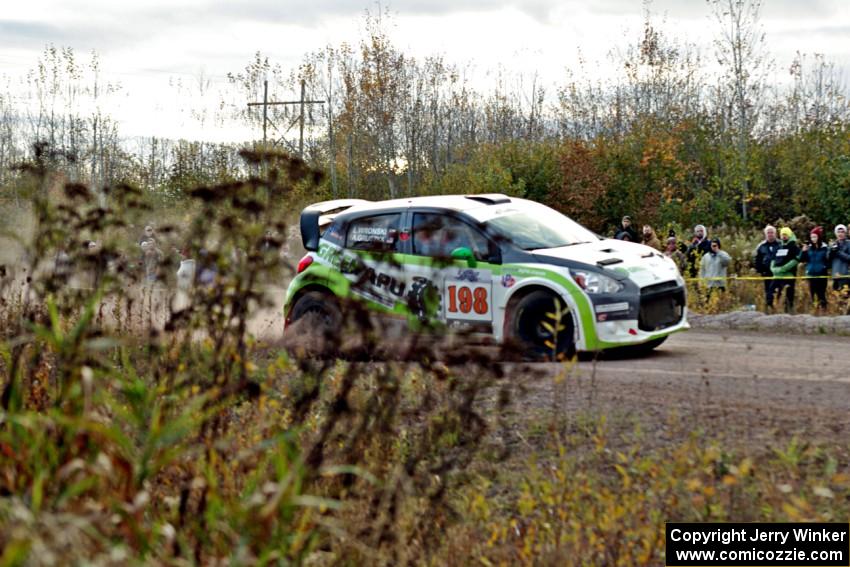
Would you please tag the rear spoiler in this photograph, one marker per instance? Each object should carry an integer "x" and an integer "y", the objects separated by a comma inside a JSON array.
[{"x": 318, "y": 216}]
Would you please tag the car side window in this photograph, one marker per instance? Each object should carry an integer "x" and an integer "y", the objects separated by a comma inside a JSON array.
[
  {"x": 377, "y": 234},
  {"x": 438, "y": 235}
]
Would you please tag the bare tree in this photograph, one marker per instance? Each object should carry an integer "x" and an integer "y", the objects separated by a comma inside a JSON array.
[{"x": 741, "y": 51}]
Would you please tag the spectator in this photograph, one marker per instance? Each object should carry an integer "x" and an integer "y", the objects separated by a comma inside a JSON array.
[
  {"x": 674, "y": 252},
  {"x": 784, "y": 267},
  {"x": 207, "y": 270},
  {"x": 839, "y": 256},
  {"x": 186, "y": 271},
  {"x": 765, "y": 253},
  {"x": 815, "y": 255},
  {"x": 700, "y": 245},
  {"x": 95, "y": 259},
  {"x": 713, "y": 267},
  {"x": 625, "y": 228},
  {"x": 148, "y": 234},
  {"x": 151, "y": 258},
  {"x": 680, "y": 246},
  {"x": 650, "y": 239},
  {"x": 63, "y": 266}
]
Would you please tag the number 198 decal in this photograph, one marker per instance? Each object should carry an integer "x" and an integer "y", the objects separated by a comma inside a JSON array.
[{"x": 472, "y": 302}]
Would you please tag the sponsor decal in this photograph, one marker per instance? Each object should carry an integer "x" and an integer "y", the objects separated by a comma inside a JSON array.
[
  {"x": 508, "y": 280},
  {"x": 330, "y": 255},
  {"x": 380, "y": 281},
  {"x": 530, "y": 272},
  {"x": 372, "y": 284},
  {"x": 467, "y": 276},
  {"x": 612, "y": 307}
]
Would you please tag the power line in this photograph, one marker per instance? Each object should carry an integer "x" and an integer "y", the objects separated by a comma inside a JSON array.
[{"x": 267, "y": 103}]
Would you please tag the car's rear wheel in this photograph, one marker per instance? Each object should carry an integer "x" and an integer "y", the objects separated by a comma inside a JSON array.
[
  {"x": 534, "y": 329},
  {"x": 316, "y": 316}
]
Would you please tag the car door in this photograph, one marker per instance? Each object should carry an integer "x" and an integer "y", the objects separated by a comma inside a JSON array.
[
  {"x": 371, "y": 262},
  {"x": 455, "y": 291}
]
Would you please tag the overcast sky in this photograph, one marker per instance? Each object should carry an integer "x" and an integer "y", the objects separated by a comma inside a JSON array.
[{"x": 145, "y": 43}]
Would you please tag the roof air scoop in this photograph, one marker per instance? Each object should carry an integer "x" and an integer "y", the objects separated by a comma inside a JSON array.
[
  {"x": 608, "y": 262},
  {"x": 490, "y": 198}
]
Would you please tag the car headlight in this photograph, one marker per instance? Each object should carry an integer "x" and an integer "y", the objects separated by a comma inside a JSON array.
[{"x": 594, "y": 282}]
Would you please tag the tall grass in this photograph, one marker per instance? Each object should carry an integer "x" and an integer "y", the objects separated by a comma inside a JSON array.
[{"x": 180, "y": 438}]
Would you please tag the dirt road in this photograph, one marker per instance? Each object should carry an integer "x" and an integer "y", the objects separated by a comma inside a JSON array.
[
  {"x": 741, "y": 355},
  {"x": 756, "y": 388}
]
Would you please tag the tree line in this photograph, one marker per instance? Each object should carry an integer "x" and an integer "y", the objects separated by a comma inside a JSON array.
[{"x": 668, "y": 139}]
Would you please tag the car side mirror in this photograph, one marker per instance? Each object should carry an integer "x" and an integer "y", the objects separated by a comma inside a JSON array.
[{"x": 464, "y": 253}]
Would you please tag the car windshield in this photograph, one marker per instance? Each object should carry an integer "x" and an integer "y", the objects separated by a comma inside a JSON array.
[{"x": 539, "y": 227}]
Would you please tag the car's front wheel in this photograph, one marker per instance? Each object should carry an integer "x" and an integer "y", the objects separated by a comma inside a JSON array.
[{"x": 541, "y": 327}]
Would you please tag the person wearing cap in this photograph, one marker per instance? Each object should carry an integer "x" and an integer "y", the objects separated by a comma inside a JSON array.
[
  {"x": 839, "y": 256},
  {"x": 700, "y": 245},
  {"x": 765, "y": 253},
  {"x": 784, "y": 267},
  {"x": 713, "y": 267},
  {"x": 624, "y": 229},
  {"x": 675, "y": 253},
  {"x": 815, "y": 255}
]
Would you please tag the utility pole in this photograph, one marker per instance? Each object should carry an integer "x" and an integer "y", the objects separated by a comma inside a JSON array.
[{"x": 267, "y": 103}]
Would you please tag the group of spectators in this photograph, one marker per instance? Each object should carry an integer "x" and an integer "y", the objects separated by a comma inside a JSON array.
[
  {"x": 191, "y": 272},
  {"x": 150, "y": 255},
  {"x": 776, "y": 259}
]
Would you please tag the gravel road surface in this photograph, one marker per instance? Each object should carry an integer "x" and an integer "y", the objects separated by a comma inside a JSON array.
[{"x": 752, "y": 387}]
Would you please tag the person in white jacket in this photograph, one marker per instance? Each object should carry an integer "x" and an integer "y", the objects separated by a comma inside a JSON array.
[{"x": 713, "y": 266}]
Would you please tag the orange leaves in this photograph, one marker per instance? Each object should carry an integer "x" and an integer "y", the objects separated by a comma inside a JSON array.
[{"x": 584, "y": 184}]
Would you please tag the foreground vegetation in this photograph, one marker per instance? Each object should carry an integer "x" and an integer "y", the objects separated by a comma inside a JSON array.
[{"x": 196, "y": 443}]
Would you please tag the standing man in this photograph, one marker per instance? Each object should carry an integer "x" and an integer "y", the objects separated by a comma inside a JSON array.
[
  {"x": 839, "y": 256},
  {"x": 765, "y": 253},
  {"x": 625, "y": 228},
  {"x": 713, "y": 267},
  {"x": 784, "y": 267},
  {"x": 700, "y": 245}
]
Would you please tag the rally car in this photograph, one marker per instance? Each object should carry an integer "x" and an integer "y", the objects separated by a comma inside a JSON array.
[{"x": 490, "y": 264}]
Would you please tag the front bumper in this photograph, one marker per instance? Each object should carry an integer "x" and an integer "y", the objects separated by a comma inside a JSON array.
[{"x": 660, "y": 311}]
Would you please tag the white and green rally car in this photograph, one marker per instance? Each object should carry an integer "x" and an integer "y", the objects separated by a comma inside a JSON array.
[{"x": 489, "y": 264}]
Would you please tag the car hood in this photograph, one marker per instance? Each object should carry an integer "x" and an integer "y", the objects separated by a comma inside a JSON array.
[{"x": 621, "y": 259}]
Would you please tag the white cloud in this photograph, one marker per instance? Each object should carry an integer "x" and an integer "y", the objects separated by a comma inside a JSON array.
[{"x": 144, "y": 43}]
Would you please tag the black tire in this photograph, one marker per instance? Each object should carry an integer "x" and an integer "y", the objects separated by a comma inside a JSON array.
[
  {"x": 318, "y": 316},
  {"x": 524, "y": 328}
]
